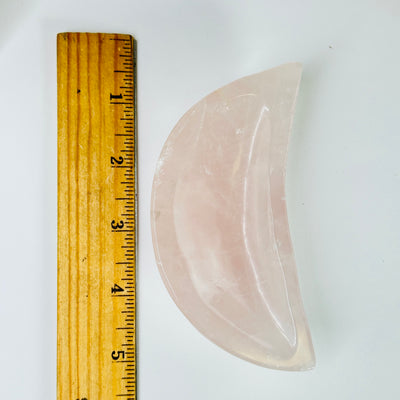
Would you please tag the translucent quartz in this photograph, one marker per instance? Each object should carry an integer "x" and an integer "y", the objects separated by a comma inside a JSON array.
[{"x": 219, "y": 221}]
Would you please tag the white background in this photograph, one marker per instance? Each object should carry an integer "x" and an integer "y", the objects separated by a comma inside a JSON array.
[{"x": 343, "y": 186}]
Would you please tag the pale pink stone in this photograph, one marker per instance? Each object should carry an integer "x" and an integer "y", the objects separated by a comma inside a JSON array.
[{"x": 219, "y": 221}]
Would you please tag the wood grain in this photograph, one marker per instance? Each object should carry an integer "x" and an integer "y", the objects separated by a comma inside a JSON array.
[{"x": 96, "y": 123}]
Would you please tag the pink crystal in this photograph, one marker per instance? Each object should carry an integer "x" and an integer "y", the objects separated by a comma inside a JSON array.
[{"x": 219, "y": 221}]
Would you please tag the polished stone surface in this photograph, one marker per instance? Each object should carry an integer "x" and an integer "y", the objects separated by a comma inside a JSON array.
[{"x": 219, "y": 221}]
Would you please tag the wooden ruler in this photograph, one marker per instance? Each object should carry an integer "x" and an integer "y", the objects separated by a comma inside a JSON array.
[{"x": 96, "y": 216}]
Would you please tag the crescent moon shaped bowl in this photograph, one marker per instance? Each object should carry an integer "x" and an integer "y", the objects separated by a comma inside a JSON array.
[{"x": 219, "y": 221}]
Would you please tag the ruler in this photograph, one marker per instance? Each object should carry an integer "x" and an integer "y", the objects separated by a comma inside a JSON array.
[{"x": 96, "y": 347}]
